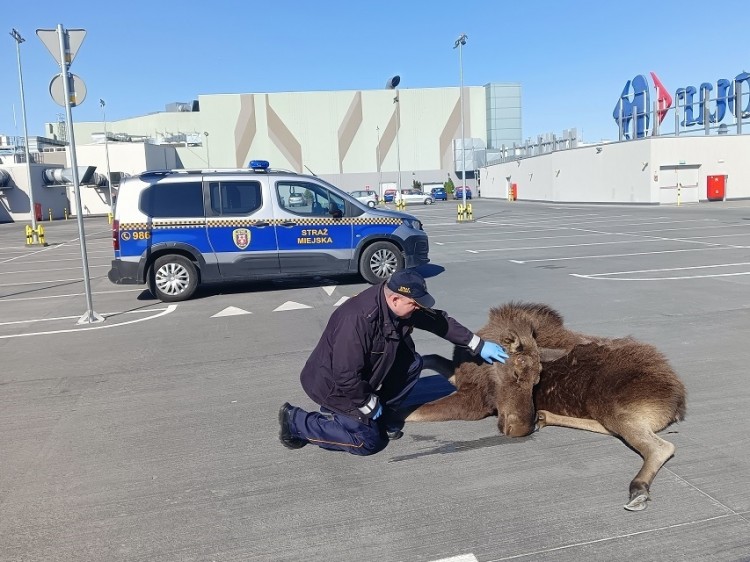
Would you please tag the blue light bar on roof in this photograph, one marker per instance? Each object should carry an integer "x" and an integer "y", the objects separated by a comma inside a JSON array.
[{"x": 259, "y": 165}]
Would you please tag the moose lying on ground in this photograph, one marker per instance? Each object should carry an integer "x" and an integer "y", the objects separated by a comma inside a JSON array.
[{"x": 555, "y": 376}]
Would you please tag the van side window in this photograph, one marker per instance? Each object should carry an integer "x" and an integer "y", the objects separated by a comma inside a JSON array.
[
  {"x": 164, "y": 200},
  {"x": 234, "y": 197},
  {"x": 309, "y": 199}
]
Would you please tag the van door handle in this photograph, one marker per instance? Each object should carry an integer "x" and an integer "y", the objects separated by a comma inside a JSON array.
[
  {"x": 288, "y": 224},
  {"x": 261, "y": 224}
]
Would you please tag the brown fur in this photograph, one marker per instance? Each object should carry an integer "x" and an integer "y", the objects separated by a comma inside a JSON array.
[{"x": 613, "y": 386}]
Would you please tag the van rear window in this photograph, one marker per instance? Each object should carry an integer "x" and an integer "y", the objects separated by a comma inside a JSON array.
[{"x": 178, "y": 200}]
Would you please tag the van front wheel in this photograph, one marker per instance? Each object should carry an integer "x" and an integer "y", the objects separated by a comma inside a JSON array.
[
  {"x": 173, "y": 278},
  {"x": 379, "y": 261}
]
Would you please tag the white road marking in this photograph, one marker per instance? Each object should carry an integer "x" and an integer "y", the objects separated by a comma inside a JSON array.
[
  {"x": 669, "y": 269},
  {"x": 231, "y": 311},
  {"x": 341, "y": 301},
  {"x": 290, "y": 305},
  {"x": 714, "y": 249},
  {"x": 55, "y": 269},
  {"x": 3, "y": 300},
  {"x": 460, "y": 558},
  {"x": 42, "y": 282},
  {"x": 28, "y": 254},
  {"x": 169, "y": 309},
  {"x": 560, "y": 246},
  {"x": 329, "y": 289},
  {"x": 77, "y": 316}
]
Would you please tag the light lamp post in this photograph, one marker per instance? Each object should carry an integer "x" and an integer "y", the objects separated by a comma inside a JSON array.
[
  {"x": 208, "y": 156},
  {"x": 380, "y": 168},
  {"x": 32, "y": 206},
  {"x": 392, "y": 84},
  {"x": 106, "y": 153},
  {"x": 460, "y": 42}
]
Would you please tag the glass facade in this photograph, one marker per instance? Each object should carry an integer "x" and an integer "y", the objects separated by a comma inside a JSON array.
[{"x": 503, "y": 114}]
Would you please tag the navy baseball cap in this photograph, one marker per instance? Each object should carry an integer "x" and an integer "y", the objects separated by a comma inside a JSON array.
[{"x": 409, "y": 283}]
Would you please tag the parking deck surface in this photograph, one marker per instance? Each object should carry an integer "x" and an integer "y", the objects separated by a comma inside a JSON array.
[{"x": 153, "y": 435}]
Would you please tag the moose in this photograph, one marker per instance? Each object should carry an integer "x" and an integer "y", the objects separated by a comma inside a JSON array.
[{"x": 555, "y": 376}]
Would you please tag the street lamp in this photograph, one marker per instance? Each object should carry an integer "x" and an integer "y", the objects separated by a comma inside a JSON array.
[
  {"x": 460, "y": 42},
  {"x": 106, "y": 152},
  {"x": 380, "y": 167},
  {"x": 32, "y": 206},
  {"x": 392, "y": 84},
  {"x": 208, "y": 156}
]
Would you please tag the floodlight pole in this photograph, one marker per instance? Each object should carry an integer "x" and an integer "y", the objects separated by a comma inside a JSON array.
[
  {"x": 380, "y": 168},
  {"x": 106, "y": 152},
  {"x": 32, "y": 207},
  {"x": 208, "y": 157},
  {"x": 460, "y": 42}
]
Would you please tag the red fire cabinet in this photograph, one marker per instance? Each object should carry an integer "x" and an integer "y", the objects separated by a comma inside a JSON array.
[{"x": 716, "y": 188}]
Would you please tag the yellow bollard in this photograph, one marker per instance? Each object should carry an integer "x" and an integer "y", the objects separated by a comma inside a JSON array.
[
  {"x": 29, "y": 235},
  {"x": 50, "y": 215},
  {"x": 109, "y": 217},
  {"x": 40, "y": 234},
  {"x": 65, "y": 212},
  {"x": 470, "y": 212},
  {"x": 679, "y": 195}
]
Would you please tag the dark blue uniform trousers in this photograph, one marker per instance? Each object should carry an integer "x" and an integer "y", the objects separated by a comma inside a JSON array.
[{"x": 339, "y": 432}]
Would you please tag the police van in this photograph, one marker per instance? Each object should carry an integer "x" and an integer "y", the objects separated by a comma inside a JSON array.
[{"x": 177, "y": 229}]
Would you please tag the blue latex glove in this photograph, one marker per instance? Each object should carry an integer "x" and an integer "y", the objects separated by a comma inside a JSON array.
[
  {"x": 492, "y": 352},
  {"x": 377, "y": 413}
]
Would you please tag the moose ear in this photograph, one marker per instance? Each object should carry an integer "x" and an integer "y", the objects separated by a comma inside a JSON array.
[
  {"x": 512, "y": 343},
  {"x": 547, "y": 354}
]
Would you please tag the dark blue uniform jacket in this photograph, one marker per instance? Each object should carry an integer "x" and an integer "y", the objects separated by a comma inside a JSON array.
[{"x": 358, "y": 348}]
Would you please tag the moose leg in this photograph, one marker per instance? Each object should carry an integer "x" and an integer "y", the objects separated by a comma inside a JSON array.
[
  {"x": 461, "y": 405},
  {"x": 655, "y": 452},
  {"x": 545, "y": 418}
]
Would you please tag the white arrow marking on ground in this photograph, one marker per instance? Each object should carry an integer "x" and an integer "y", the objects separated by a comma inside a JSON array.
[
  {"x": 291, "y": 305},
  {"x": 329, "y": 289},
  {"x": 341, "y": 301},
  {"x": 231, "y": 311},
  {"x": 460, "y": 558}
]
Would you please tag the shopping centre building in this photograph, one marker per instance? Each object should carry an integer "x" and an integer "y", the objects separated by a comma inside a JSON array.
[{"x": 675, "y": 146}]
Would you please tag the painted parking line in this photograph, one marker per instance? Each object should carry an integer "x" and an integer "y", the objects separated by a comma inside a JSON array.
[
  {"x": 460, "y": 558},
  {"x": 605, "y": 256},
  {"x": 610, "y": 275},
  {"x": 77, "y": 316},
  {"x": 171, "y": 308},
  {"x": 4, "y": 300},
  {"x": 21, "y": 284},
  {"x": 55, "y": 269}
]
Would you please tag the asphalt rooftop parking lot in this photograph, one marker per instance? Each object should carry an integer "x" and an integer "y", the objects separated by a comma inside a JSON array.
[{"x": 153, "y": 435}]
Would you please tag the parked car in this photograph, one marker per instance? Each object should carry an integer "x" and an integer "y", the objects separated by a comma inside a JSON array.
[
  {"x": 459, "y": 193},
  {"x": 412, "y": 196},
  {"x": 297, "y": 200},
  {"x": 439, "y": 194},
  {"x": 369, "y": 198},
  {"x": 388, "y": 195},
  {"x": 176, "y": 229}
]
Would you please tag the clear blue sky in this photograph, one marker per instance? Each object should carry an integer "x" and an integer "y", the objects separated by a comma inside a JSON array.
[{"x": 572, "y": 58}]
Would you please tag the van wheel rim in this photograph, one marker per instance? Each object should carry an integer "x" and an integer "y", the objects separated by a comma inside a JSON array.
[
  {"x": 383, "y": 263},
  {"x": 172, "y": 279}
]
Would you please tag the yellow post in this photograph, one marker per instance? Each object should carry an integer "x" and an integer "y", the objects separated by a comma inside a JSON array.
[
  {"x": 470, "y": 212},
  {"x": 679, "y": 195},
  {"x": 29, "y": 235},
  {"x": 40, "y": 234},
  {"x": 65, "y": 212},
  {"x": 460, "y": 216},
  {"x": 109, "y": 217},
  {"x": 50, "y": 215}
]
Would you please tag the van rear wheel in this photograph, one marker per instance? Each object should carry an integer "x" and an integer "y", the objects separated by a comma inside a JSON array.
[
  {"x": 173, "y": 278},
  {"x": 379, "y": 261}
]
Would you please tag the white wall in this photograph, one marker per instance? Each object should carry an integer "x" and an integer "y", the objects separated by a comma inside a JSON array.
[
  {"x": 15, "y": 202},
  {"x": 639, "y": 171}
]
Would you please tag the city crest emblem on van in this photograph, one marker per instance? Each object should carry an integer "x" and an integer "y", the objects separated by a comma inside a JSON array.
[{"x": 241, "y": 237}]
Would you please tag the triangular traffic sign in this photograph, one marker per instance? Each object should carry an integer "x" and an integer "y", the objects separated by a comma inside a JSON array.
[{"x": 51, "y": 40}]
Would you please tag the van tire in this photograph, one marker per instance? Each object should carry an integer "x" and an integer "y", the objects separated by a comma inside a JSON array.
[
  {"x": 173, "y": 278},
  {"x": 379, "y": 261}
]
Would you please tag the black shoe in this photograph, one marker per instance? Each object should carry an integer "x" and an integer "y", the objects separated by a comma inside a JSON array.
[
  {"x": 285, "y": 434},
  {"x": 394, "y": 434}
]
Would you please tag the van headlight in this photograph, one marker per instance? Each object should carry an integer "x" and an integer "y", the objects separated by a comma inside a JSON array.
[{"x": 413, "y": 223}]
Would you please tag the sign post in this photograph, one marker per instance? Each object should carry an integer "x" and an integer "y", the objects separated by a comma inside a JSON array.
[{"x": 73, "y": 93}]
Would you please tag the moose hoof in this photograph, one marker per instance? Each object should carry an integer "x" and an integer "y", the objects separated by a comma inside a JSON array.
[
  {"x": 541, "y": 420},
  {"x": 638, "y": 503}
]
